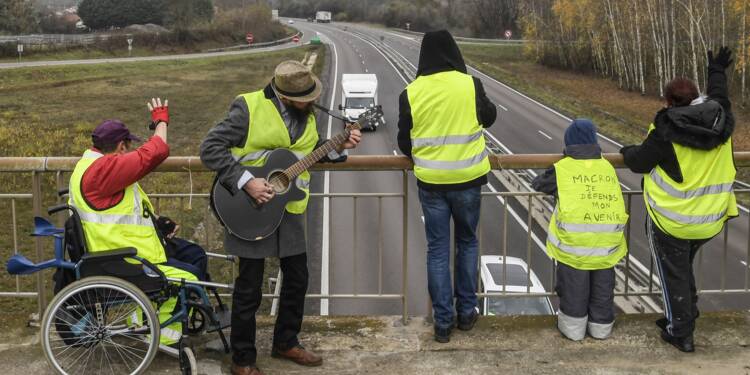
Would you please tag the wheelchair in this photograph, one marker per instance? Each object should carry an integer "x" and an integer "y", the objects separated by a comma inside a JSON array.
[{"x": 103, "y": 318}]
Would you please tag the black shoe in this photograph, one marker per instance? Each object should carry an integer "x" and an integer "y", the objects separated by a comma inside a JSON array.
[
  {"x": 466, "y": 323},
  {"x": 683, "y": 344},
  {"x": 662, "y": 323},
  {"x": 443, "y": 335}
]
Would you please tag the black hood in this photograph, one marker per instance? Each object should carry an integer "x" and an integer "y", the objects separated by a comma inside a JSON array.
[
  {"x": 439, "y": 53},
  {"x": 703, "y": 126}
]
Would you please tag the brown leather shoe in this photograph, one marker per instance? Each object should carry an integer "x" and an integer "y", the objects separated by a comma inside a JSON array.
[
  {"x": 298, "y": 355},
  {"x": 245, "y": 370}
]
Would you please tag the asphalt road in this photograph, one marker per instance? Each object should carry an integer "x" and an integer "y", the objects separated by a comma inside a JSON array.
[
  {"x": 360, "y": 250},
  {"x": 523, "y": 126}
]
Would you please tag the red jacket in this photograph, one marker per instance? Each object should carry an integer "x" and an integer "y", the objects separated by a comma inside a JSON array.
[{"x": 104, "y": 182}]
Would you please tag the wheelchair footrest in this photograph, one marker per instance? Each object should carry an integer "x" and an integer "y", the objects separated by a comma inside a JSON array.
[{"x": 224, "y": 320}]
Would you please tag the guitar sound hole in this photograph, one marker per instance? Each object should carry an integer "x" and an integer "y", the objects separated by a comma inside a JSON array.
[{"x": 279, "y": 181}]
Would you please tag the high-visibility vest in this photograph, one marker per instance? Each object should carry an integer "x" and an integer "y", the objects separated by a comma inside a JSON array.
[
  {"x": 448, "y": 145},
  {"x": 126, "y": 224},
  {"x": 587, "y": 228},
  {"x": 268, "y": 132},
  {"x": 697, "y": 207}
]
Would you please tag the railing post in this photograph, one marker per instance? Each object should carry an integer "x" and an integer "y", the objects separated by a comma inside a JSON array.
[
  {"x": 36, "y": 186},
  {"x": 404, "y": 262}
]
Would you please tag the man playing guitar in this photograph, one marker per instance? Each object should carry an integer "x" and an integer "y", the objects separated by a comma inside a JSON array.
[{"x": 280, "y": 116}]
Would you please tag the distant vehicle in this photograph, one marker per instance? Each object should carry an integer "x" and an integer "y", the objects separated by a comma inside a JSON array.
[
  {"x": 516, "y": 278},
  {"x": 323, "y": 17},
  {"x": 291, "y": 22},
  {"x": 360, "y": 92}
]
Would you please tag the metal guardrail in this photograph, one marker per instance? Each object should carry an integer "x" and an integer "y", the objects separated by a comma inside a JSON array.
[
  {"x": 40, "y": 166},
  {"x": 461, "y": 39},
  {"x": 256, "y": 45}
]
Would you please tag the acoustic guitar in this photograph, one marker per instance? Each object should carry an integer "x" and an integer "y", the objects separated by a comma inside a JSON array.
[{"x": 249, "y": 220}]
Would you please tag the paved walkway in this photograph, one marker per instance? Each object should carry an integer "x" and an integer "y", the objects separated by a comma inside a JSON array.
[{"x": 497, "y": 345}]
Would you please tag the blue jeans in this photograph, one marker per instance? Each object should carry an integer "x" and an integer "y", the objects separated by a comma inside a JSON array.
[{"x": 438, "y": 208}]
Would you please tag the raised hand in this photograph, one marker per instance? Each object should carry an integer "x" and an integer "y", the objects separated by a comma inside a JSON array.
[
  {"x": 722, "y": 59},
  {"x": 159, "y": 112}
]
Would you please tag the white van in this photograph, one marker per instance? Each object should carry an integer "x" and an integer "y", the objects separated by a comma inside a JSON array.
[
  {"x": 360, "y": 92},
  {"x": 516, "y": 278}
]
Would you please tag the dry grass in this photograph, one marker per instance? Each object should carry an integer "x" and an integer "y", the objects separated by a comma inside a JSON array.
[{"x": 619, "y": 114}]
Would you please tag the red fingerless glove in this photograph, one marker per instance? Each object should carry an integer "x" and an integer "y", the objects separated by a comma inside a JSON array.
[{"x": 159, "y": 114}]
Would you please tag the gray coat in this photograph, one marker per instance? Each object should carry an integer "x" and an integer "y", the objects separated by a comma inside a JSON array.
[{"x": 289, "y": 239}]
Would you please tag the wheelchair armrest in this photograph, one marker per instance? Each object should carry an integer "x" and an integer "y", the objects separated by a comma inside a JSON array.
[
  {"x": 125, "y": 252},
  {"x": 60, "y": 207}
]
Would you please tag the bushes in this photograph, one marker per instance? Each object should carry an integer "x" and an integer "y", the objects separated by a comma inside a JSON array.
[{"x": 105, "y": 14}]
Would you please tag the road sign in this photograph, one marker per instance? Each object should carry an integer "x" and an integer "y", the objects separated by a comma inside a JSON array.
[
  {"x": 295, "y": 39},
  {"x": 508, "y": 34},
  {"x": 20, "y": 48},
  {"x": 249, "y": 38}
]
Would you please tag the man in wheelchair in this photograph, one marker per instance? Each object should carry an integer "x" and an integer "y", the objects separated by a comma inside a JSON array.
[{"x": 116, "y": 213}]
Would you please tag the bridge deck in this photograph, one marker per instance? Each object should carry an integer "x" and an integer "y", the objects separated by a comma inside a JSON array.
[{"x": 498, "y": 345}]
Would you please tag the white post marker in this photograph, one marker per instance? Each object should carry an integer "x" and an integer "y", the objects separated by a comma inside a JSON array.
[
  {"x": 130, "y": 46},
  {"x": 20, "y": 52}
]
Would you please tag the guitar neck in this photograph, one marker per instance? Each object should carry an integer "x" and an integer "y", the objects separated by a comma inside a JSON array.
[{"x": 297, "y": 168}]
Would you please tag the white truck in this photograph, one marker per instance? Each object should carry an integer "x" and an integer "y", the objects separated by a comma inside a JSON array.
[
  {"x": 360, "y": 92},
  {"x": 323, "y": 17}
]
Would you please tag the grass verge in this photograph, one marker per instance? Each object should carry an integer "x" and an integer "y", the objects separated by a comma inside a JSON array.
[{"x": 619, "y": 114}]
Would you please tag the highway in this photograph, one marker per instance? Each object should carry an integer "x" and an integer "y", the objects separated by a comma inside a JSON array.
[
  {"x": 523, "y": 126},
  {"x": 362, "y": 253}
]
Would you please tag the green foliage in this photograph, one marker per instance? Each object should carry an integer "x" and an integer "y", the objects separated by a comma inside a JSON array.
[
  {"x": 182, "y": 14},
  {"x": 104, "y": 14},
  {"x": 17, "y": 17}
]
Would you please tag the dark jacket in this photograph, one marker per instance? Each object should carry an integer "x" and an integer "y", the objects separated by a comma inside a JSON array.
[
  {"x": 702, "y": 126},
  {"x": 440, "y": 53},
  {"x": 547, "y": 181}
]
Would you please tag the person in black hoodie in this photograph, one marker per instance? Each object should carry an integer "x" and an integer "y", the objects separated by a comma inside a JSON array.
[
  {"x": 689, "y": 172},
  {"x": 442, "y": 114}
]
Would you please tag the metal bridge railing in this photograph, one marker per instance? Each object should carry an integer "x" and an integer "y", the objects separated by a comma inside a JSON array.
[{"x": 631, "y": 283}]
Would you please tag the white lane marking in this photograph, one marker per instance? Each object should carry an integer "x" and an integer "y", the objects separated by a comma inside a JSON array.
[
  {"x": 400, "y": 36},
  {"x": 366, "y": 70},
  {"x": 624, "y": 187},
  {"x": 501, "y": 106},
  {"x": 363, "y": 62},
  {"x": 544, "y": 134},
  {"x": 566, "y": 118},
  {"x": 398, "y": 72},
  {"x": 743, "y": 263},
  {"x": 521, "y": 222},
  {"x": 326, "y": 243},
  {"x": 395, "y": 153},
  {"x": 422, "y": 219}
]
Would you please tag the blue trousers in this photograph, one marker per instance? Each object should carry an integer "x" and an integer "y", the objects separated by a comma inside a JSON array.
[
  {"x": 439, "y": 207},
  {"x": 187, "y": 256}
]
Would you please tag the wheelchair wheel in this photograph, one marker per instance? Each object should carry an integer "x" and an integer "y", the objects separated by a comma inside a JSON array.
[
  {"x": 100, "y": 325},
  {"x": 196, "y": 319},
  {"x": 188, "y": 364}
]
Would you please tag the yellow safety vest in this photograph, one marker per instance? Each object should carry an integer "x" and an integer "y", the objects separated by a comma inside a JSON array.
[
  {"x": 127, "y": 224},
  {"x": 697, "y": 207},
  {"x": 586, "y": 230},
  {"x": 268, "y": 132},
  {"x": 448, "y": 145}
]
